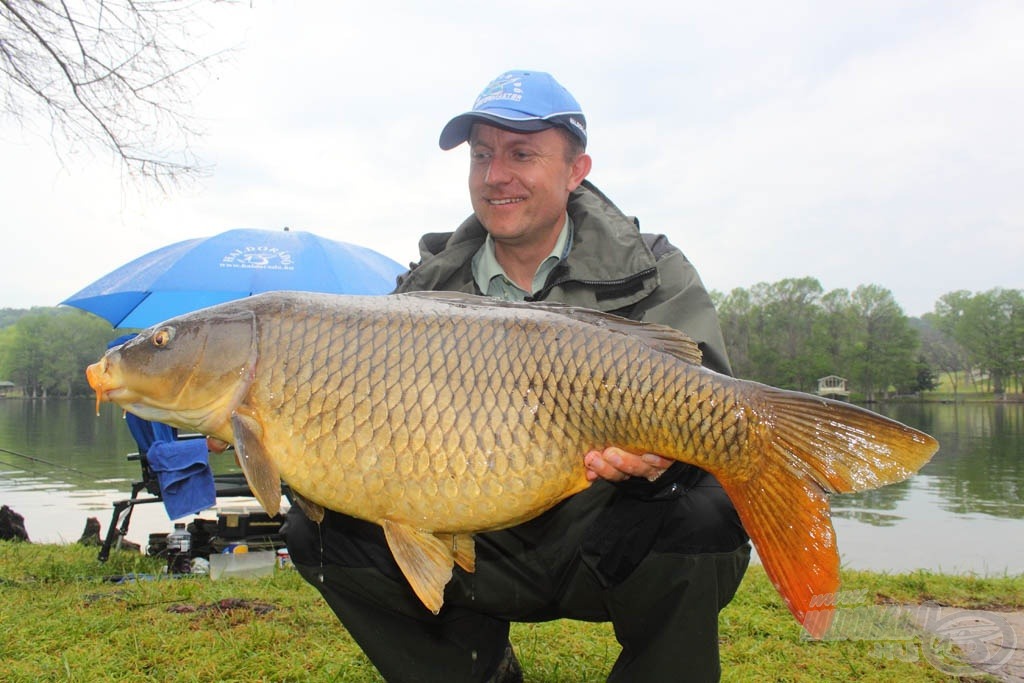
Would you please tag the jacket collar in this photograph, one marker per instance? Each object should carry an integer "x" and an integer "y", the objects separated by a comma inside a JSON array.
[{"x": 608, "y": 255}]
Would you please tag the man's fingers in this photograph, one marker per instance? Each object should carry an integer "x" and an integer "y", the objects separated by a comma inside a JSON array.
[
  {"x": 600, "y": 467},
  {"x": 615, "y": 464}
]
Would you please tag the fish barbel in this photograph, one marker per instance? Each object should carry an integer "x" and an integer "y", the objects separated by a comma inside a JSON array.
[{"x": 439, "y": 415}]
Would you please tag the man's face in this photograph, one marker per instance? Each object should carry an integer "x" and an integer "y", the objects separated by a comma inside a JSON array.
[{"x": 519, "y": 183}]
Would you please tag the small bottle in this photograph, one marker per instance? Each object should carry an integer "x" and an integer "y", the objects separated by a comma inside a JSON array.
[{"x": 179, "y": 550}]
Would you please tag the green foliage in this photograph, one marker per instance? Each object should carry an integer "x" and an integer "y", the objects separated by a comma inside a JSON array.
[
  {"x": 45, "y": 351},
  {"x": 790, "y": 333},
  {"x": 988, "y": 330}
]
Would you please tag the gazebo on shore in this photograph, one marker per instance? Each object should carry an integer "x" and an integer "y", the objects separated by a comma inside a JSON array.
[{"x": 833, "y": 386}]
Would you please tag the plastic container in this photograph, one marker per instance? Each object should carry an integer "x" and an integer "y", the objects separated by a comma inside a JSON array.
[
  {"x": 239, "y": 522},
  {"x": 249, "y": 565},
  {"x": 179, "y": 550}
]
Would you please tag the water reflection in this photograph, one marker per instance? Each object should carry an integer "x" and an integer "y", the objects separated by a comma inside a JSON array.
[
  {"x": 60, "y": 463},
  {"x": 979, "y": 467}
]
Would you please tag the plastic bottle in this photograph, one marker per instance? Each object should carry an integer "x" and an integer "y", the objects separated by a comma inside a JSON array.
[{"x": 179, "y": 550}]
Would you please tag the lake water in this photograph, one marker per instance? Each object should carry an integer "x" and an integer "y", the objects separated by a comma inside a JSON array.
[{"x": 964, "y": 512}]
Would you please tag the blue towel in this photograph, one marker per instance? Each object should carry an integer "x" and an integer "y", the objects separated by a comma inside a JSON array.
[{"x": 183, "y": 472}]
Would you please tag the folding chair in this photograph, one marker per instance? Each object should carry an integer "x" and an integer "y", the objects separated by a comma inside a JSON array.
[{"x": 146, "y": 434}]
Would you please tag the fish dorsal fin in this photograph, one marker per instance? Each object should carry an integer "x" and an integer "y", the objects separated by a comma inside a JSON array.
[
  {"x": 260, "y": 471},
  {"x": 658, "y": 337},
  {"x": 425, "y": 559},
  {"x": 314, "y": 511}
]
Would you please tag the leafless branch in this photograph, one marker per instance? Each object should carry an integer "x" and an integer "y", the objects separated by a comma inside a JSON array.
[{"x": 113, "y": 73}]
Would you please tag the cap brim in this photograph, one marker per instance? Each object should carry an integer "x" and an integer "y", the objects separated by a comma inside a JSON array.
[{"x": 457, "y": 130}]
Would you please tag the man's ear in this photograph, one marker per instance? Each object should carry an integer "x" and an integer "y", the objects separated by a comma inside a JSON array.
[{"x": 580, "y": 170}]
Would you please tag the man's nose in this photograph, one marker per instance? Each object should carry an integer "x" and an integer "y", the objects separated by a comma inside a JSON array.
[{"x": 497, "y": 172}]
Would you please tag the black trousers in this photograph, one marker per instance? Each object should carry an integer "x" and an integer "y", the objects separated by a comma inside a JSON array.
[{"x": 660, "y": 571}]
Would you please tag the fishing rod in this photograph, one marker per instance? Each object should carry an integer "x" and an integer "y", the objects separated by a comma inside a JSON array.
[{"x": 31, "y": 458}]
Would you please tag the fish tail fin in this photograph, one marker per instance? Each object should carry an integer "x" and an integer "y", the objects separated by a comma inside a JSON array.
[
  {"x": 783, "y": 513},
  {"x": 842, "y": 447},
  {"x": 805, "y": 448}
]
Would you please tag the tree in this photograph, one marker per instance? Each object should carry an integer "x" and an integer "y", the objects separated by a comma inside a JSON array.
[
  {"x": 769, "y": 332},
  {"x": 835, "y": 331},
  {"x": 47, "y": 351},
  {"x": 791, "y": 308},
  {"x": 941, "y": 351},
  {"x": 990, "y": 326},
  {"x": 110, "y": 72},
  {"x": 885, "y": 346},
  {"x": 993, "y": 328},
  {"x": 734, "y": 314}
]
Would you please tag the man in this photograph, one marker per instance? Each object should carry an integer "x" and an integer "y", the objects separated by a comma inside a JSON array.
[{"x": 653, "y": 546}]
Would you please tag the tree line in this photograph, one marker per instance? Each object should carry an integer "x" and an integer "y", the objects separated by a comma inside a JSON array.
[
  {"x": 787, "y": 334},
  {"x": 45, "y": 351},
  {"x": 792, "y": 332}
]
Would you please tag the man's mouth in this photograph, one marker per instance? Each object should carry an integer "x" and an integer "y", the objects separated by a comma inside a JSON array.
[{"x": 505, "y": 202}]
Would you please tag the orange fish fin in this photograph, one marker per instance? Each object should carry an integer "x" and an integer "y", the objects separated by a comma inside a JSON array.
[
  {"x": 463, "y": 548},
  {"x": 260, "y": 471},
  {"x": 788, "y": 520},
  {"x": 425, "y": 559},
  {"x": 314, "y": 511},
  {"x": 810, "y": 447},
  {"x": 842, "y": 447}
]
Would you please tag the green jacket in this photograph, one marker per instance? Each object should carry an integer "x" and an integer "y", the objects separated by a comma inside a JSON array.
[{"x": 612, "y": 267}]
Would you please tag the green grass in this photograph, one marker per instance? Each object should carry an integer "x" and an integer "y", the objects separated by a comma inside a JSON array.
[
  {"x": 62, "y": 621},
  {"x": 967, "y": 391}
]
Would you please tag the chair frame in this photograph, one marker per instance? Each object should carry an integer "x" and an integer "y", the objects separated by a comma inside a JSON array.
[{"x": 226, "y": 486}]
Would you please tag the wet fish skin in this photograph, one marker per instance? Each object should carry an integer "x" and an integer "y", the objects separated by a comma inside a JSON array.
[{"x": 438, "y": 416}]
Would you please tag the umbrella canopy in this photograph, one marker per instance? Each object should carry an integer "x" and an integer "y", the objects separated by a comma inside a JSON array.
[{"x": 197, "y": 273}]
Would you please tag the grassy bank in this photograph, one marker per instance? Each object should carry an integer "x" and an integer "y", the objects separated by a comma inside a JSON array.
[{"x": 64, "y": 620}]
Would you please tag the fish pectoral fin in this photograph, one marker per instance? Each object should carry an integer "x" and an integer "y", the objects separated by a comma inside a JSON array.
[
  {"x": 314, "y": 511},
  {"x": 260, "y": 471},
  {"x": 425, "y": 559},
  {"x": 788, "y": 520},
  {"x": 463, "y": 548}
]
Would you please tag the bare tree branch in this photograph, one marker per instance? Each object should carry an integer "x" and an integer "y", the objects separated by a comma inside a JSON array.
[{"x": 111, "y": 73}]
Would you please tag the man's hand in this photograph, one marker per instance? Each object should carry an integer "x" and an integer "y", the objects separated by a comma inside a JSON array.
[
  {"x": 615, "y": 464},
  {"x": 215, "y": 445}
]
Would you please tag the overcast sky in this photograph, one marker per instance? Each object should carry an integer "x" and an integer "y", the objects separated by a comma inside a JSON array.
[{"x": 856, "y": 142}]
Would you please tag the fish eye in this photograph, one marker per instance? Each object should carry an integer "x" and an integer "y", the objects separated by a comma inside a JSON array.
[{"x": 163, "y": 337}]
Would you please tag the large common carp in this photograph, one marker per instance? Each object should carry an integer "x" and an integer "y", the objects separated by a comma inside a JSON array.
[{"x": 438, "y": 415}]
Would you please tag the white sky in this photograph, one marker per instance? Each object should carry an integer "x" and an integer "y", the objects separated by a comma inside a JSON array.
[{"x": 857, "y": 142}]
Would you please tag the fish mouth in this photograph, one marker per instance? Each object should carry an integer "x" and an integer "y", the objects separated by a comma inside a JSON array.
[
  {"x": 211, "y": 417},
  {"x": 107, "y": 389},
  {"x": 99, "y": 381}
]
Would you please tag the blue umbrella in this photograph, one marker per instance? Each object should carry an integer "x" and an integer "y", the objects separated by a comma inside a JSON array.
[{"x": 197, "y": 273}]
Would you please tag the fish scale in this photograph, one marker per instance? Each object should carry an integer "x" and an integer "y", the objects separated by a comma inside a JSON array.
[
  {"x": 436, "y": 411},
  {"x": 439, "y": 415}
]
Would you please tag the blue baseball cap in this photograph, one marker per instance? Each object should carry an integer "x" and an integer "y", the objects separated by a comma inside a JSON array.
[{"x": 522, "y": 101}]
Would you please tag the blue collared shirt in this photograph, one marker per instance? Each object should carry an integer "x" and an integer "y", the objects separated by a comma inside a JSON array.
[{"x": 493, "y": 281}]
